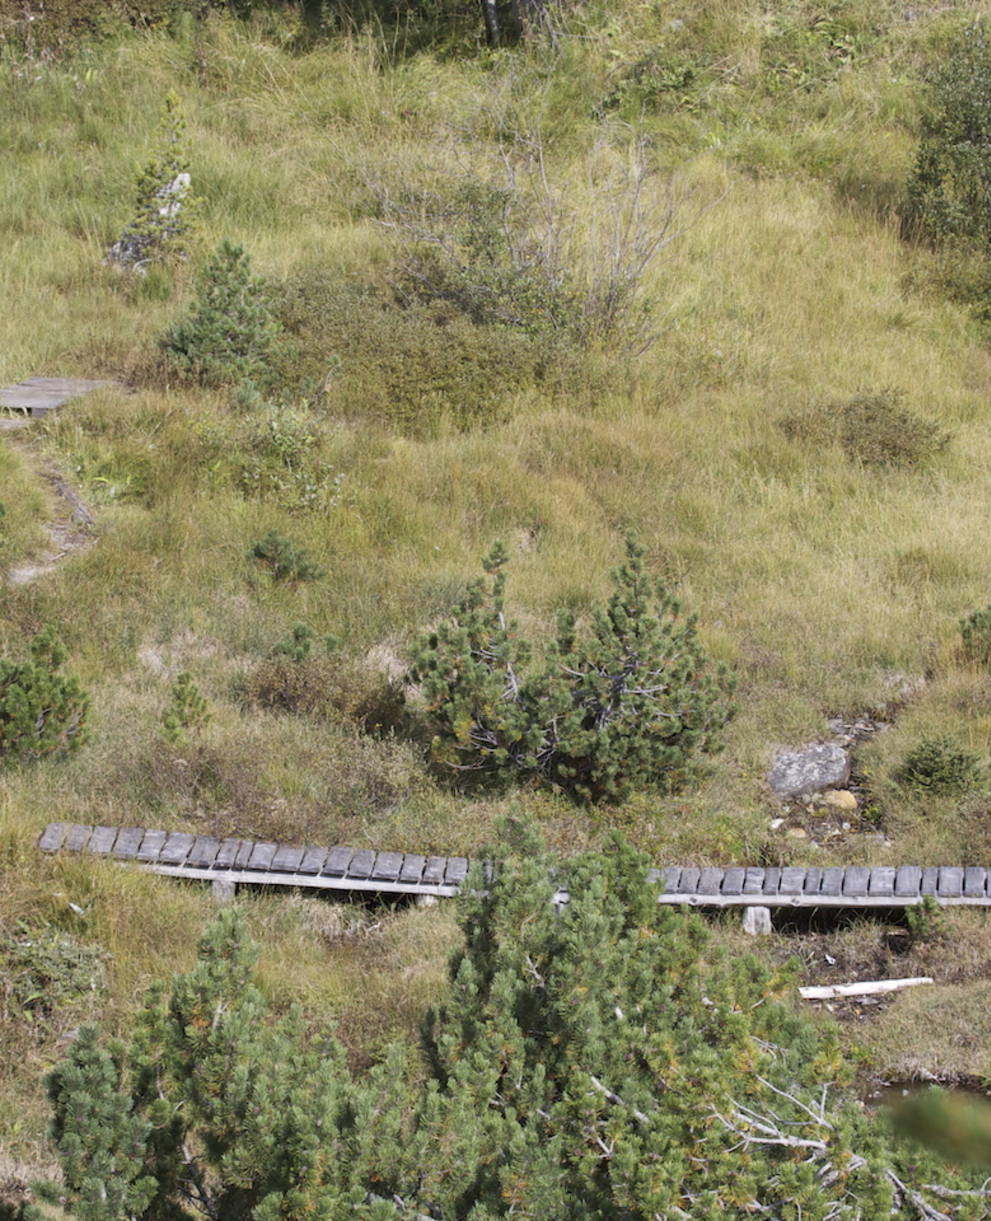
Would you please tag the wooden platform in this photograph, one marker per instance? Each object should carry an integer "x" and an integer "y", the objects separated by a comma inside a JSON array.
[
  {"x": 261, "y": 863},
  {"x": 37, "y": 396}
]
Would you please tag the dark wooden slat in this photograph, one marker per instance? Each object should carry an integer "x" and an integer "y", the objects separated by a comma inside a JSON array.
[
  {"x": 177, "y": 846},
  {"x": 671, "y": 876},
  {"x": 53, "y": 836},
  {"x": 336, "y": 864},
  {"x": 313, "y": 859},
  {"x": 412, "y": 867},
  {"x": 974, "y": 882},
  {"x": 950, "y": 882},
  {"x": 361, "y": 863},
  {"x": 753, "y": 881},
  {"x": 151, "y": 845},
  {"x": 387, "y": 866},
  {"x": 792, "y": 880},
  {"x": 855, "y": 881},
  {"x": 832, "y": 881},
  {"x": 433, "y": 870},
  {"x": 733, "y": 880},
  {"x": 813, "y": 879},
  {"x": 882, "y": 881},
  {"x": 101, "y": 842},
  {"x": 287, "y": 859},
  {"x": 689, "y": 881},
  {"x": 203, "y": 852},
  {"x": 456, "y": 871},
  {"x": 710, "y": 881},
  {"x": 908, "y": 880},
  {"x": 244, "y": 850},
  {"x": 77, "y": 837},
  {"x": 128, "y": 842},
  {"x": 772, "y": 879},
  {"x": 930, "y": 880},
  {"x": 260, "y": 860}
]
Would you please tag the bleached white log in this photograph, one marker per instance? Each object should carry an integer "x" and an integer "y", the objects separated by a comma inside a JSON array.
[{"x": 866, "y": 988}]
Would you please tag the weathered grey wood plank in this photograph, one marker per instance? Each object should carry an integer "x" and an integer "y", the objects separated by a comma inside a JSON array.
[
  {"x": 710, "y": 880},
  {"x": 930, "y": 880},
  {"x": 361, "y": 863},
  {"x": 101, "y": 842},
  {"x": 689, "y": 882},
  {"x": 950, "y": 882},
  {"x": 412, "y": 867},
  {"x": 671, "y": 876},
  {"x": 53, "y": 836},
  {"x": 433, "y": 870},
  {"x": 908, "y": 881},
  {"x": 245, "y": 848},
  {"x": 151, "y": 845},
  {"x": 287, "y": 859},
  {"x": 855, "y": 881},
  {"x": 203, "y": 852},
  {"x": 77, "y": 837},
  {"x": 40, "y": 395},
  {"x": 313, "y": 859},
  {"x": 813, "y": 879},
  {"x": 882, "y": 881},
  {"x": 733, "y": 880},
  {"x": 387, "y": 866},
  {"x": 753, "y": 881},
  {"x": 975, "y": 882},
  {"x": 456, "y": 870},
  {"x": 261, "y": 856},
  {"x": 832, "y": 881},
  {"x": 792, "y": 880},
  {"x": 176, "y": 849},
  {"x": 128, "y": 842},
  {"x": 336, "y": 864},
  {"x": 772, "y": 880}
]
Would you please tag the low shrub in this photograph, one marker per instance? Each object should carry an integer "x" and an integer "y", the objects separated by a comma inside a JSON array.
[
  {"x": 327, "y": 686},
  {"x": 187, "y": 712},
  {"x": 939, "y": 765},
  {"x": 975, "y": 637},
  {"x": 871, "y": 428},
  {"x": 47, "y": 976},
  {"x": 287, "y": 561},
  {"x": 41, "y": 711}
]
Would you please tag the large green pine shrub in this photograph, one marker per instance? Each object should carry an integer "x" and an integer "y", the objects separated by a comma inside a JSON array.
[
  {"x": 41, "y": 711},
  {"x": 627, "y": 703}
]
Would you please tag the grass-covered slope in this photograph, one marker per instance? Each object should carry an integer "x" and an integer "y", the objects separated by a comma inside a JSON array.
[{"x": 750, "y": 446}]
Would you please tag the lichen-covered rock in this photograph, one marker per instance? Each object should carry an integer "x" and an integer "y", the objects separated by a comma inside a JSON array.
[{"x": 807, "y": 769}]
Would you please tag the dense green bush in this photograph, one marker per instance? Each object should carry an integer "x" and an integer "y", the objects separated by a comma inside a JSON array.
[
  {"x": 287, "y": 561},
  {"x": 975, "y": 636},
  {"x": 627, "y": 703},
  {"x": 939, "y": 765},
  {"x": 41, "y": 711},
  {"x": 872, "y": 428},
  {"x": 231, "y": 334}
]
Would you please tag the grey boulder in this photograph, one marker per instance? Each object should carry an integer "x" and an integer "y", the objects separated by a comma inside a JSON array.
[{"x": 807, "y": 769}]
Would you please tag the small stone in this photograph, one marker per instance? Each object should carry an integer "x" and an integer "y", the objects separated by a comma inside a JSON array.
[
  {"x": 841, "y": 799},
  {"x": 797, "y": 833},
  {"x": 757, "y": 921},
  {"x": 805, "y": 769},
  {"x": 777, "y": 822}
]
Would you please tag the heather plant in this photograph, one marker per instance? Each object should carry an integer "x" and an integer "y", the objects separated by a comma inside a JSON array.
[
  {"x": 939, "y": 765},
  {"x": 626, "y": 703},
  {"x": 975, "y": 636},
  {"x": 873, "y": 428},
  {"x": 41, "y": 711}
]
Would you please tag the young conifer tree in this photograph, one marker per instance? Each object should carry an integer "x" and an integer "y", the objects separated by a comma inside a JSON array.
[{"x": 41, "y": 711}]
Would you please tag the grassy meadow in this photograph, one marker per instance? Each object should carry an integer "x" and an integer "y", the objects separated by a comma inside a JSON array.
[{"x": 398, "y": 445}]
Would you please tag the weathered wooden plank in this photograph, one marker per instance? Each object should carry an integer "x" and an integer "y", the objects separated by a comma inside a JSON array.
[
  {"x": 244, "y": 850},
  {"x": 488, "y": 872},
  {"x": 908, "y": 881},
  {"x": 882, "y": 881},
  {"x": 689, "y": 882},
  {"x": 176, "y": 849},
  {"x": 832, "y": 881},
  {"x": 772, "y": 880},
  {"x": 950, "y": 882},
  {"x": 361, "y": 863},
  {"x": 101, "y": 841},
  {"x": 387, "y": 866},
  {"x": 753, "y": 880},
  {"x": 792, "y": 880},
  {"x": 433, "y": 870},
  {"x": 287, "y": 858},
  {"x": 262, "y": 854},
  {"x": 456, "y": 870},
  {"x": 412, "y": 867},
  {"x": 671, "y": 875},
  {"x": 313, "y": 859},
  {"x": 77, "y": 837},
  {"x": 654, "y": 876},
  {"x": 974, "y": 882},
  {"x": 733, "y": 880},
  {"x": 813, "y": 879},
  {"x": 203, "y": 852},
  {"x": 710, "y": 880},
  {"x": 128, "y": 842},
  {"x": 336, "y": 864},
  {"x": 151, "y": 845},
  {"x": 53, "y": 836},
  {"x": 855, "y": 881},
  {"x": 930, "y": 880}
]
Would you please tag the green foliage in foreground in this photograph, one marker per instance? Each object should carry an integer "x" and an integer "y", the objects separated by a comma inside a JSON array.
[
  {"x": 625, "y": 704},
  {"x": 41, "y": 711},
  {"x": 230, "y": 334},
  {"x": 939, "y": 765},
  {"x": 603, "y": 1060}
]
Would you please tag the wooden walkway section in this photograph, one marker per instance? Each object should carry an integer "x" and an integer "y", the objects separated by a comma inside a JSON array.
[
  {"x": 37, "y": 396},
  {"x": 229, "y": 862}
]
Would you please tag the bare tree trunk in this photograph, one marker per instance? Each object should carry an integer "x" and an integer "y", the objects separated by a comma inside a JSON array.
[{"x": 491, "y": 14}]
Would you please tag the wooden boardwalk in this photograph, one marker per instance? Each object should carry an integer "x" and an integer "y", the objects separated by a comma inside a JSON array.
[
  {"x": 229, "y": 862},
  {"x": 37, "y": 396}
]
